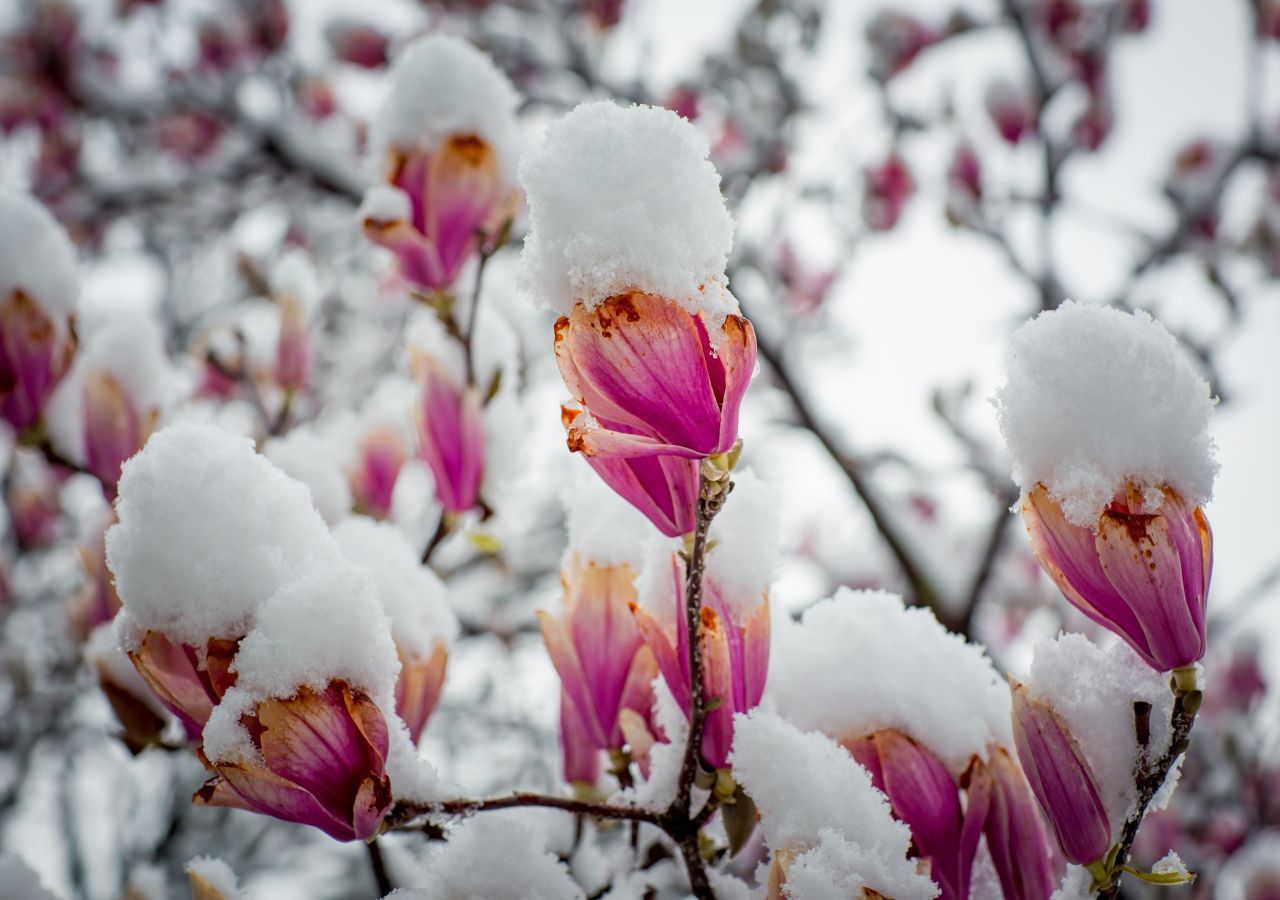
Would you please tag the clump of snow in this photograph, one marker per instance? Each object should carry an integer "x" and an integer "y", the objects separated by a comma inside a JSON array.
[
  {"x": 384, "y": 203},
  {"x": 443, "y": 86},
  {"x": 302, "y": 455},
  {"x": 20, "y": 879},
  {"x": 208, "y": 529},
  {"x": 294, "y": 283},
  {"x": 1097, "y": 398},
  {"x": 815, "y": 800},
  {"x": 496, "y": 858},
  {"x": 603, "y": 528},
  {"x": 1075, "y": 885},
  {"x": 745, "y": 552},
  {"x": 1171, "y": 864},
  {"x": 883, "y": 665},
  {"x": 326, "y": 625},
  {"x": 36, "y": 257},
  {"x": 428, "y": 342},
  {"x": 413, "y": 597},
  {"x": 217, "y": 875},
  {"x": 1093, "y": 691},
  {"x": 624, "y": 199}
]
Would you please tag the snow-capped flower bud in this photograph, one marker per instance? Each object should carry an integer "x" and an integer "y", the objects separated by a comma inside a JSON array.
[
  {"x": 888, "y": 186},
  {"x": 653, "y": 379},
  {"x": 1013, "y": 827},
  {"x": 321, "y": 761},
  {"x": 114, "y": 428},
  {"x": 925, "y": 797},
  {"x": 1060, "y": 778},
  {"x": 357, "y": 43},
  {"x": 293, "y": 285},
  {"x": 964, "y": 185},
  {"x": 602, "y": 660},
  {"x": 1142, "y": 572},
  {"x": 1011, "y": 110},
  {"x": 896, "y": 39},
  {"x": 37, "y": 303},
  {"x": 445, "y": 131},
  {"x": 32, "y": 498},
  {"x": 447, "y": 416},
  {"x": 188, "y": 680},
  {"x": 379, "y": 458}
]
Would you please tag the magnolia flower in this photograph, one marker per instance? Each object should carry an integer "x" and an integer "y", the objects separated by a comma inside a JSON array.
[
  {"x": 321, "y": 761},
  {"x": 31, "y": 495},
  {"x": 1142, "y": 571},
  {"x": 1060, "y": 778},
  {"x": 379, "y": 458},
  {"x": 97, "y": 601},
  {"x": 1012, "y": 112},
  {"x": 418, "y": 686},
  {"x": 735, "y": 655},
  {"x": 925, "y": 797},
  {"x": 188, "y": 680},
  {"x": 653, "y": 380},
  {"x": 1014, "y": 830},
  {"x": 602, "y": 660},
  {"x": 115, "y": 427},
  {"x": 297, "y": 295},
  {"x": 888, "y": 187},
  {"x": 896, "y": 39},
  {"x": 447, "y": 418}
]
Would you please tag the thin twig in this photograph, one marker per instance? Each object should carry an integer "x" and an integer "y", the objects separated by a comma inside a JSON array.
[
  {"x": 404, "y": 816},
  {"x": 379, "y": 867}
]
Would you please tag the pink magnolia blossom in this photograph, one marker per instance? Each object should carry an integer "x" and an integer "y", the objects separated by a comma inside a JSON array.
[
  {"x": 896, "y": 39},
  {"x": 602, "y": 660},
  {"x": 358, "y": 43},
  {"x": 418, "y": 687},
  {"x": 379, "y": 458},
  {"x": 927, "y": 799},
  {"x": 888, "y": 187},
  {"x": 31, "y": 494},
  {"x": 1142, "y": 571},
  {"x": 1013, "y": 827},
  {"x": 735, "y": 655},
  {"x": 450, "y": 432},
  {"x": 453, "y": 198},
  {"x": 321, "y": 762},
  {"x": 964, "y": 185},
  {"x": 97, "y": 601},
  {"x": 114, "y": 427},
  {"x": 35, "y": 352},
  {"x": 1060, "y": 778},
  {"x": 1011, "y": 110},
  {"x": 189, "y": 681}
]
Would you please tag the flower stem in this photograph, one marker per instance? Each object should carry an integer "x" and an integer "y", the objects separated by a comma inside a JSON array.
[
  {"x": 1151, "y": 774},
  {"x": 379, "y": 867}
]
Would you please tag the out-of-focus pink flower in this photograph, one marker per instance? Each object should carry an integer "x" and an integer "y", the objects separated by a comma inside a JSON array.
[
  {"x": 450, "y": 200},
  {"x": 35, "y": 352},
  {"x": 293, "y": 351},
  {"x": 887, "y": 188},
  {"x": 664, "y": 488},
  {"x": 926, "y": 798},
  {"x": 32, "y": 499},
  {"x": 1137, "y": 16},
  {"x": 1011, "y": 109},
  {"x": 807, "y": 288},
  {"x": 418, "y": 687},
  {"x": 114, "y": 427},
  {"x": 1093, "y": 126},
  {"x": 896, "y": 39},
  {"x": 1269, "y": 19},
  {"x": 687, "y": 406},
  {"x": 580, "y": 751},
  {"x": 964, "y": 185},
  {"x": 97, "y": 601},
  {"x": 379, "y": 458},
  {"x": 450, "y": 432},
  {"x": 322, "y": 762},
  {"x": 735, "y": 655},
  {"x": 316, "y": 98},
  {"x": 1060, "y": 778},
  {"x": 358, "y": 43},
  {"x": 1142, "y": 572},
  {"x": 1015, "y": 832},
  {"x": 189, "y": 681},
  {"x": 602, "y": 660},
  {"x": 187, "y": 135},
  {"x": 605, "y": 13},
  {"x": 685, "y": 101}
]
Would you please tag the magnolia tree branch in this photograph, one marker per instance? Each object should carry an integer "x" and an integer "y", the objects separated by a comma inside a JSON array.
[{"x": 1151, "y": 774}]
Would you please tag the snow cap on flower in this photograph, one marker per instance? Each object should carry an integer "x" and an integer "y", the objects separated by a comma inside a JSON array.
[
  {"x": 624, "y": 199},
  {"x": 36, "y": 257},
  {"x": 443, "y": 86},
  {"x": 208, "y": 530},
  {"x": 816, "y": 802},
  {"x": 1097, "y": 398},
  {"x": 930, "y": 684}
]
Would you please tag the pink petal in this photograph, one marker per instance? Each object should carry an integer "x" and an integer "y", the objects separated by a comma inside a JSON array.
[
  {"x": 573, "y": 677},
  {"x": 664, "y": 488},
  {"x": 418, "y": 688},
  {"x": 33, "y": 358},
  {"x": 581, "y": 750},
  {"x": 451, "y": 439},
  {"x": 1014, "y": 830},
  {"x": 464, "y": 191}
]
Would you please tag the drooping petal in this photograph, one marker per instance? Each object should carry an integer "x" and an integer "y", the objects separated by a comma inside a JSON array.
[
  {"x": 1013, "y": 827},
  {"x": 258, "y": 790},
  {"x": 174, "y": 673},
  {"x": 664, "y": 488},
  {"x": 418, "y": 688}
]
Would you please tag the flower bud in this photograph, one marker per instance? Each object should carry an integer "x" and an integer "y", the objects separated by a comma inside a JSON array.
[
  {"x": 887, "y": 188},
  {"x": 321, "y": 761},
  {"x": 1014, "y": 830},
  {"x": 1060, "y": 778},
  {"x": 188, "y": 680},
  {"x": 1142, "y": 572}
]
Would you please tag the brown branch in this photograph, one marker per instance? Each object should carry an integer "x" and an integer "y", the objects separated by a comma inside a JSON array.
[
  {"x": 405, "y": 815},
  {"x": 379, "y": 867},
  {"x": 1151, "y": 776}
]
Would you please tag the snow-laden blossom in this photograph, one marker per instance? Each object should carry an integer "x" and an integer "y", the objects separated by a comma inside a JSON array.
[
  {"x": 1013, "y": 827},
  {"x": 188, "y": 679}
]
